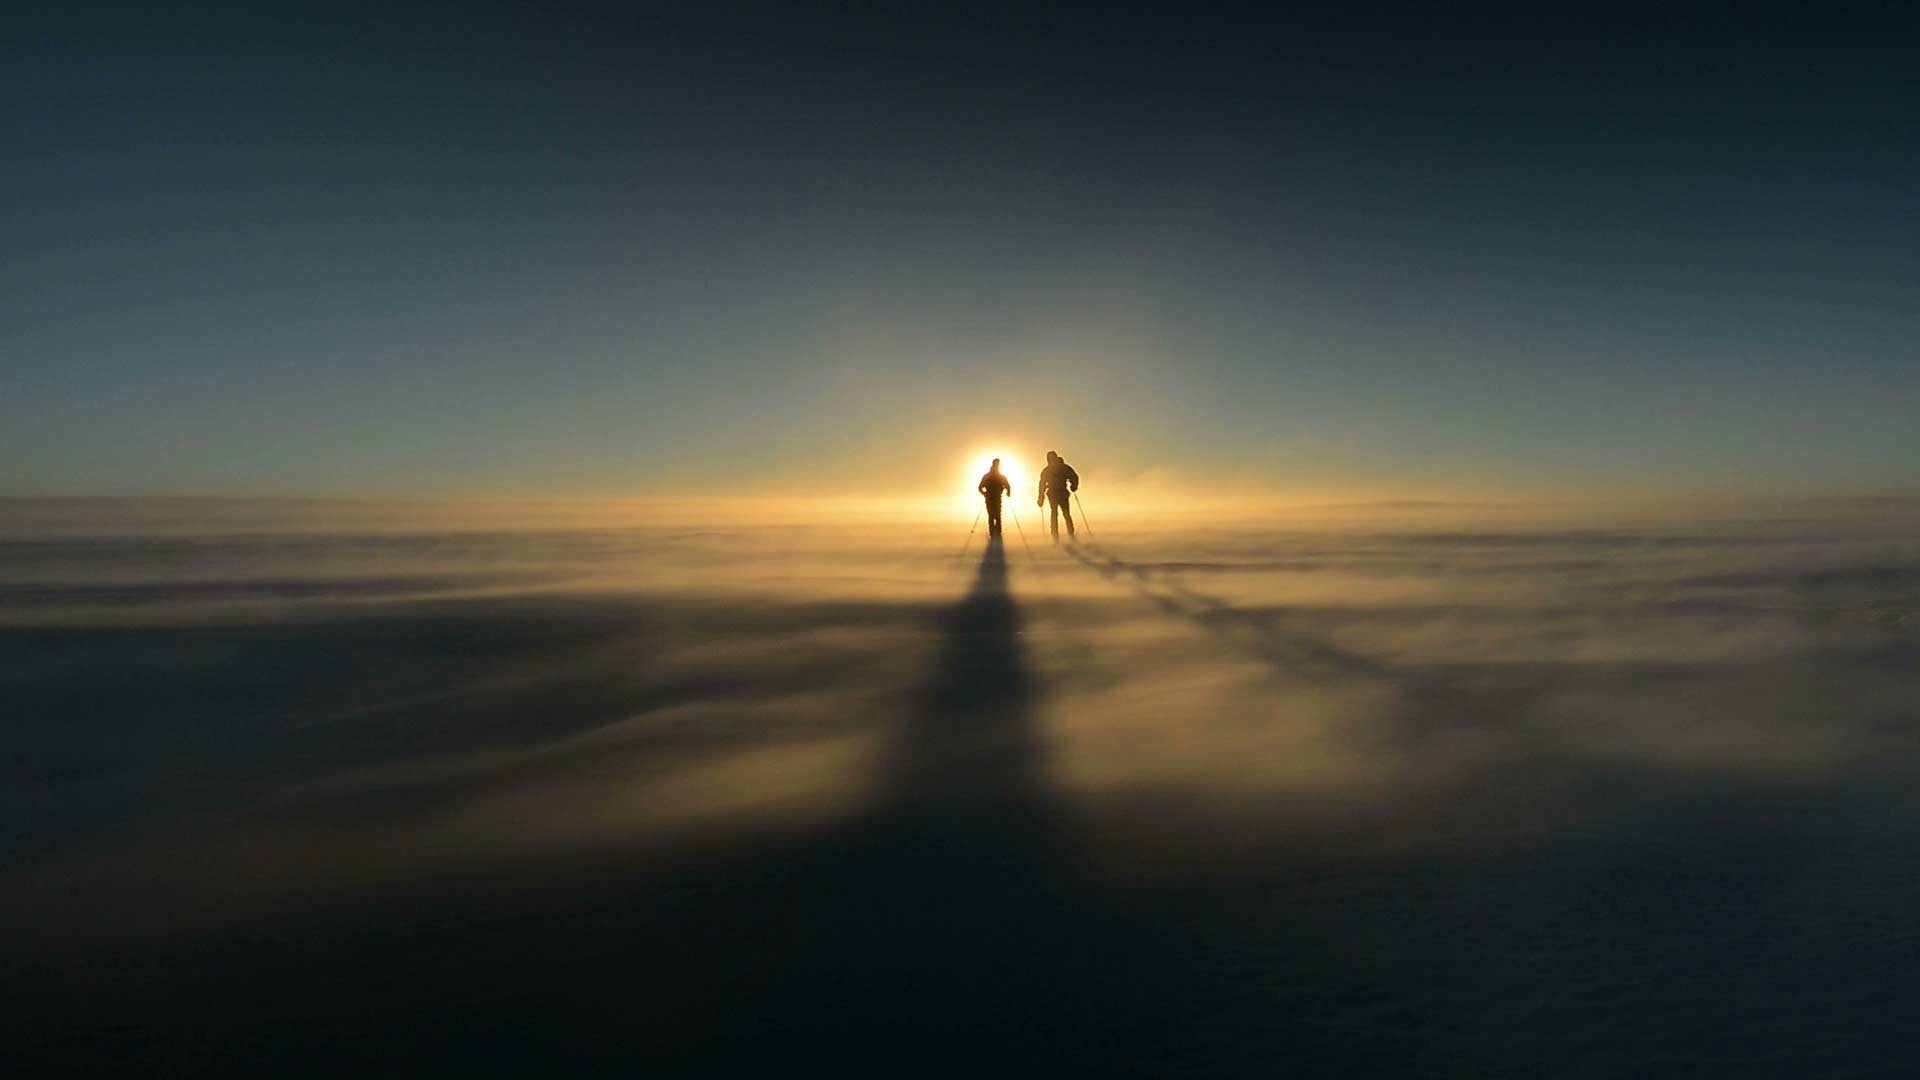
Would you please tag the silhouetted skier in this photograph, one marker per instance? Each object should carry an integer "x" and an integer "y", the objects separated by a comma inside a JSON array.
[
  {"x": 1058, "y": 482},
  {"x": 993, "y": 485}
]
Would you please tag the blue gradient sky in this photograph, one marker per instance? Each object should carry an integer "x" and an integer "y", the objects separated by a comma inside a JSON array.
[{"x": 477, "y": 249}]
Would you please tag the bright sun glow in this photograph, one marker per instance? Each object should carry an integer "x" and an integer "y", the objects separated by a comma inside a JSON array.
[{"x": 978, "y": 463}]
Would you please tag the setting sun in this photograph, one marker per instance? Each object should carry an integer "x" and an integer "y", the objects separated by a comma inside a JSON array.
[{"x": 977, "y": 465}]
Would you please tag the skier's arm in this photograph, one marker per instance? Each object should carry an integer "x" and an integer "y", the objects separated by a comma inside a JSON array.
[{"x": 1073, "y": 478}]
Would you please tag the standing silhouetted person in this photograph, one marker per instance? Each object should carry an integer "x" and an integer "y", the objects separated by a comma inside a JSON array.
[
  {"x": 1058, "y": 482},
  {"x": 993, "y": 485}
]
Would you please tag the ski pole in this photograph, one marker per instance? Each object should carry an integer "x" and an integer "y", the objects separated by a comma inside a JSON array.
[
  {"x": 975, "y": 528},
  {"x": 1023, "y": 537},
  {"x": 1083, "y": 513}
]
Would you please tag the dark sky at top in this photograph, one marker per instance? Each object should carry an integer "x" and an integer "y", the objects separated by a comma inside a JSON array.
[{"x": 506, "y": 247}]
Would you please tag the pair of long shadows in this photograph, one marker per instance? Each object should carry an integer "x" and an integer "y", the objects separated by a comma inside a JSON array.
[{"x": 954, "y": 931}]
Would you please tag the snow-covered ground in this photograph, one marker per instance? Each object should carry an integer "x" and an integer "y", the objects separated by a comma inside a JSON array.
[{"x": 1420, "y": 789}]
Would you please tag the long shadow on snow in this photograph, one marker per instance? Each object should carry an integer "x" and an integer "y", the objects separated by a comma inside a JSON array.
[
  {"x": 954, "y": 930},
  {"x": 951, "y": 931},
  {"x": 1443, "y": 696}
]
